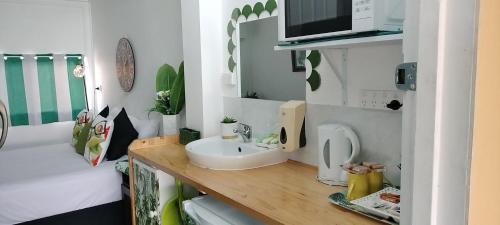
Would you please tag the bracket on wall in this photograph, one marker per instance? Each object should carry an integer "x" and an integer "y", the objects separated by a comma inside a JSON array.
[{"x": 341, "y": 73}]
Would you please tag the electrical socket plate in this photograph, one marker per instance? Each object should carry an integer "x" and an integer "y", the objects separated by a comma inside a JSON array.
[{"x": 378, "y": 99}]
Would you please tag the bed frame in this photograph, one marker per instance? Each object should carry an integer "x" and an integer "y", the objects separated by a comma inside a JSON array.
[
  {"x": 114, "y": 213},
  {"x": 107, "y": 214}
]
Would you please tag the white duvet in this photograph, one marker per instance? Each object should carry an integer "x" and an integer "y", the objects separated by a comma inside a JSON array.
[{"x": 48, "y": 180}]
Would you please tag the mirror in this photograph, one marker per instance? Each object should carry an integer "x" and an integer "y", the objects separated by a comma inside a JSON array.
[
  {"x": 4, "y": 124},
  {"x": 265, "y": 73}
]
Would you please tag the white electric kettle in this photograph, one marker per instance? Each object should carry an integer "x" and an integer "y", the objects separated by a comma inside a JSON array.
[{"x": 338, "y": 145}]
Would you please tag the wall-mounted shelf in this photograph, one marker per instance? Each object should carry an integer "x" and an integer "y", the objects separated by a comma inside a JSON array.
[{"x": 346, "y": 42}]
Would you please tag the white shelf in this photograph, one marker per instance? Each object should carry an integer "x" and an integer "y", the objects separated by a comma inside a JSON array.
[{"x": 345, "y": 43}]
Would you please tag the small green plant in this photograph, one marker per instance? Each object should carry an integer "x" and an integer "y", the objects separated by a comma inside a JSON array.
[
  {"x": 228, "y": 119},
  {"x": 170, "y": 90}
]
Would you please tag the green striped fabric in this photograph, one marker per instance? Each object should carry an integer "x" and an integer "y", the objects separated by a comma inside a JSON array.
[
  {"x": 18, "y": 109},
  {"x": 47, "y": 87},
  {"x": 42, "y": 88},
  {"x": 76, "y": 86}
]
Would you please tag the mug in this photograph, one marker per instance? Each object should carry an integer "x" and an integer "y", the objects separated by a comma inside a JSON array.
[{"x": 358, "y": 186}]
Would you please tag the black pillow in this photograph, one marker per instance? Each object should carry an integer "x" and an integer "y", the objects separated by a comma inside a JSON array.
[
  {"x": 104, "y": 112},
  {"x": 123, "y": 134}
]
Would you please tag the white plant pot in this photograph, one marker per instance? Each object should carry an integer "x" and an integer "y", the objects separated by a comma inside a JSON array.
[
  {"x": 171, "y": 124},
  {"x": 227, "y": 130}
]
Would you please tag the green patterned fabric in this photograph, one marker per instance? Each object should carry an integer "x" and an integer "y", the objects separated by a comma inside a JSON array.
[
  {"x": 18, "y": 108},
  {"x": 47, "y": 88},
  {"x": 122, "y": 165},
  {"x": 146, "y": 194},
  {"x": 76, "y": 87},
  {"x": 42, "y": 88}
]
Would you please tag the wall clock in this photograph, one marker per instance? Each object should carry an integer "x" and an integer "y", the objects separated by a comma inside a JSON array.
[{"x": 125, "y": 64}]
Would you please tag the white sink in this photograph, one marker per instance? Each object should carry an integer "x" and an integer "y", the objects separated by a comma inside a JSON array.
[{"x": 219, "y": 154}]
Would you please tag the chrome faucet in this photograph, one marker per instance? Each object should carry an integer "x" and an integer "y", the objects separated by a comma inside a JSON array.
[{"x": 245, "y": 131}]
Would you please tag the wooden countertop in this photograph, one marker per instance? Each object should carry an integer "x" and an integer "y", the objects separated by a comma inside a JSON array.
[{"x": 287, "y": 193}]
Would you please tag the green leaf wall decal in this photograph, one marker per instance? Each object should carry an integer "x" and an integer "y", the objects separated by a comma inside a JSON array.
[
  {"x": 314, "y": 80},
  {"x": 231, "y": 46},
  {"x": 230, "y": 29},
  {"x": 246, "y": 11},
  {"x": 258, "y": 8},
  {"x": 271, "y": 6},
  {"x": 236, "y": 13},
  {"x": 315, "y": 58},
  {"x": 231, "y": 64}
]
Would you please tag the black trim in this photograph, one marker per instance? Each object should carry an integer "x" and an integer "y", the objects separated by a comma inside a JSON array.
[
  {"x": 108, "y": 214},
  {"x": 343, "y": 22}
]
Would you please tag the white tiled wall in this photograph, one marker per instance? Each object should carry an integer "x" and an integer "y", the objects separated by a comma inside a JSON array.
[{"x": 379, "y": 131}]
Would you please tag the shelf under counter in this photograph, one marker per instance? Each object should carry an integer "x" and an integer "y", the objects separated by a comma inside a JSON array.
[
  {"x": 286, "y": 193},
  {"x": 342, "y": 42}
]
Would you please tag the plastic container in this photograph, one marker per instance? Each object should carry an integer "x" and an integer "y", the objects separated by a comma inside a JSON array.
[{"x": 206, "y": 210}]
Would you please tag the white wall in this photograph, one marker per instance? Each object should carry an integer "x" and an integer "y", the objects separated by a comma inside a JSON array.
[
  {"x": 48, "y": 26},
  {"x": 368, "y": 68},
  {"x": 377, "y": 137},
  {"x": 155, "y": 32},
  {"x": 43, "y": 26},
  {"x": 447, "y": 51},
  {"x": 201, "y": 22},
  {"x": 410, "y": 49}
]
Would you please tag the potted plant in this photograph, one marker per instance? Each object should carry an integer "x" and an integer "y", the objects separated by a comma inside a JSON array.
[
  {"x": 228, "y": 125},
  {"x": 170, "y": 97}
]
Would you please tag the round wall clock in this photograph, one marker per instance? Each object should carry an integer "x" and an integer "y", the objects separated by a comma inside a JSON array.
[{"x": 125, "y": 64}]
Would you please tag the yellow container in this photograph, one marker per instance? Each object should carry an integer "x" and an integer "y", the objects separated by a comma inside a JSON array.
[
  {"x": 375, "y": 181},
  {"x": 358, "y": 186}
]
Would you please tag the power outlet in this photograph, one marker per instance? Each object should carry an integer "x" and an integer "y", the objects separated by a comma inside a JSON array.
[{"x": 378, "y": 99}]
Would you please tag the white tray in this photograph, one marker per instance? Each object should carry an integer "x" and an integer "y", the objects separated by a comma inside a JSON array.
[{"x": 373, "y": 204}]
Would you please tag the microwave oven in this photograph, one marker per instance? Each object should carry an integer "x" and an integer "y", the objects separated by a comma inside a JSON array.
[{"x": 312, "y": 19}]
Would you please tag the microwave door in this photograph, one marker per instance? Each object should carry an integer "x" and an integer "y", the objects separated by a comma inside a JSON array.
[{"x": 317, "y": 18}]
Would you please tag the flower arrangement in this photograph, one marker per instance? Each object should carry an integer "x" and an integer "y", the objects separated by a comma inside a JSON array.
[{"x": 162, "y": 103}]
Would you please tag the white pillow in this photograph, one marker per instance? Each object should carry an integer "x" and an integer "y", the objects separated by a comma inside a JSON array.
[
  {"x": 114, "y": 112},
  {"x": 99, "y": 138},
  {"x": 145, "y": 128},
  {"x": 37, "y": 135}
]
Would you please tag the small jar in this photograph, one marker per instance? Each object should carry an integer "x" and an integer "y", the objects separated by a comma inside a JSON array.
[
  {"x": 358, "y": 186},
  {"x": 375, "y": 181}
]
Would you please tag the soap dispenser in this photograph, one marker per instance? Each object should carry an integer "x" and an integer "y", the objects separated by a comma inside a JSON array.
[{"x": 293, "y": 130}]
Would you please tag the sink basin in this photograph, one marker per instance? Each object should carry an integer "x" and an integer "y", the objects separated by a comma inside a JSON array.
[{"x": 220, "y": 154}]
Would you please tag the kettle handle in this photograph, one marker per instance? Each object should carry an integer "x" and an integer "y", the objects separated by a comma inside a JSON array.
[{"x": 353, "y": 138}]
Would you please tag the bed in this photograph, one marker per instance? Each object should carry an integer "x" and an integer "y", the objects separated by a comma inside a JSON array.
[{"x": 47, "y": 180}]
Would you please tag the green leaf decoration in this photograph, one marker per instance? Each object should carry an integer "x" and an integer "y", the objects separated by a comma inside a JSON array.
[
  {"x": 314, "y": 80},
  {"x": 271, "y": 6},
  {"x": 165, "y": 78},
  {"x": 230, "y": 29},
  {"x": 315, "y": 58},
  {"x": 258, "y": 8},
  {"x": 177, "y": 93},
  {"x": 236, "y": 13},
  {"x": 247, "y": 10},
  {"x": 231, "y": 46},
  {"x": 231, "y": 63}
]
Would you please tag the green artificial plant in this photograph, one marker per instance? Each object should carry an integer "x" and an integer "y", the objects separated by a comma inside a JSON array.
[
  {"x": 170, "y": 91},
  {"x": 228, "y": 119}
]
